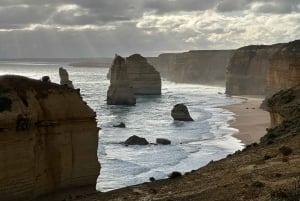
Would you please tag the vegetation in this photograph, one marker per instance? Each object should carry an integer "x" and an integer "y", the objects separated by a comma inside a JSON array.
[{"x": 5, "y": 104}]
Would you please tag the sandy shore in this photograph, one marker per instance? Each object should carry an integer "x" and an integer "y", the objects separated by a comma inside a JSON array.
[{"x": 251, "y": 121}]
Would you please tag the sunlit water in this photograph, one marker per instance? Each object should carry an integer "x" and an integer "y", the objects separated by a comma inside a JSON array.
[{"x": 194, "y": 144}]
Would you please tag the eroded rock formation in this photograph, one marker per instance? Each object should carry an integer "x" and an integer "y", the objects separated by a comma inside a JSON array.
[
  {"x": 48, "y": 139},
  {"x": 180, "y": 112},
  {"x": 64, "y": 78},
  {"x": 285, "y": 67},
  {"x": 248, "y": 70},
  {"x": 143, "y": 77},
  {"x": 201, "y": 66},
  {"x": 120, "y": 91}
]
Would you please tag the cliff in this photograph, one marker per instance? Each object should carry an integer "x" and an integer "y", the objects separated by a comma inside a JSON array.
[
  {"x": 120, "y": 91},
  {"x": 48, "y": 140},
  {"x": 285, "y": 67},
  {"x": 248, "y": 70},
  {"x": 265, "y": 171},
  {"x": 201, "y": 66},
  {"x": 144, "y": 79}
]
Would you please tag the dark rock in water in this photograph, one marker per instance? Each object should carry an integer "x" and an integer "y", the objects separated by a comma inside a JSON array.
[
  {"x": 135, "y": 140},
  {"x": 174, "y": 175},
  {"x": 151, "y": 179},
  {"x": 120, "y": 125},
  {"x": 163, "y": 141},
  {"x": 180, "y": 112},
  {"x": 46, "y": 79}
]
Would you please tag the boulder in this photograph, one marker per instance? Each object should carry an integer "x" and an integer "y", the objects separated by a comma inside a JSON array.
[
  {"x": 136, "y": 140},
  {"x": 163, "y": 141},
  {"x": 47, "y": 145},
  {"x": 64, "y": 78},
  {"x": 120, "y": 91},
  {"x": 180, "y": 112}
]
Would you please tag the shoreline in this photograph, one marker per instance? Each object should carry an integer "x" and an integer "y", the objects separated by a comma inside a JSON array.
[{"x": 250, "y": 120}]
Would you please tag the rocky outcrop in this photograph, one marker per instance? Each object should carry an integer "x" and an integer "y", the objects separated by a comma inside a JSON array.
[
  {"x": 248, "y": 70},
  {"x": 48, "y": 139},
  {"x": 199, "y": 66},
  {"x": 162, "y": 141},
  {"x": 144, "y": 79},
  {"x": 120, "y": 91},
  {"x": 64, "y": 78},
  {"x": 180, "y": 112},
  {"x": 136, "y": 140},
  {"x": 285, "y": 67}
]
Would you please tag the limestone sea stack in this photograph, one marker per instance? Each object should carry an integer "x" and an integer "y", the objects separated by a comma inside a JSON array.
[
  {"x": 64, "y": 78},
  {"x": 144, "y": 79},
  {"x": 180, "y": 112},
  {"x": 120, "y": 91},
  {"x": 48, "y": 140}
]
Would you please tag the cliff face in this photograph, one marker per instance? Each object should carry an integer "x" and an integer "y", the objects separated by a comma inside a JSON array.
[
  {"x": 248, "y": 70},
  {"x": 202, "y": 66},
  {"x": 285, "y": 67},
  {"x": 144, "y": 79},
  {"x": 48, "y": 139},
  {"x": 120, "y": 91}
]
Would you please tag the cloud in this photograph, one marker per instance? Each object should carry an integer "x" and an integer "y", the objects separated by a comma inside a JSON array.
[{"x": 85, "y": 28}]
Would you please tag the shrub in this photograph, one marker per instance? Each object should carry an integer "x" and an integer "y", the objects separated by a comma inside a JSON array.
[{"x": 285, "y": 150}]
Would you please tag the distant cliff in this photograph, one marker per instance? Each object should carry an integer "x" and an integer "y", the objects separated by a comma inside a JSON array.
[
  {"x": 248, "y": 70},
  {"x": 199, "y": 66},
  {"x": 284, "y": 69},
  {"x": 48, "y": 139}
]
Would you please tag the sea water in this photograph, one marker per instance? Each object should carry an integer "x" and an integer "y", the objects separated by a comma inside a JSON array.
[{"x": 193, "y": 144}]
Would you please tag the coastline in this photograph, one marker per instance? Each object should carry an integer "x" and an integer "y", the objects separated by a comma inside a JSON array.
[{"x": 250, "y": 120}]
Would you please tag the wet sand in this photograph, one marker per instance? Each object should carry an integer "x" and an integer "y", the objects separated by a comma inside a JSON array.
[{"x": 250, "y": 120}]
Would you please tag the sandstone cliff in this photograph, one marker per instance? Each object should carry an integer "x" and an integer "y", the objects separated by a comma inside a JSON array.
[
  {"x": 144, "y": 79},
  {"x": 120, "y": 91},
  {"x": 248, "y": 70},
  {"x": 48, "y": 139},
  {"x": 201, "y": 66},
  {"x": 285, "y": 67}
]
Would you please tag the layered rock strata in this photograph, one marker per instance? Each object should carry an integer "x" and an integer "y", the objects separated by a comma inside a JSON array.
[
  {"x": 48, "y": 140},
  {"x": 64, "y": 78},
  {"x": 120, "y": 91},
  {"x": 248, "y": 70},
  {"x": 144, "y": 79},
  {"x": 285, "y": 67},
  {"x": 198, "y": 66}
]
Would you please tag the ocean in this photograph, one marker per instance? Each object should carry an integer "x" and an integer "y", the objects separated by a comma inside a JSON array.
[{"x": 193, "y": 144}]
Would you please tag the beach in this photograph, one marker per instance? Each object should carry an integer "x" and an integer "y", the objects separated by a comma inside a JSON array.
[{"x": 250, "y": 120}]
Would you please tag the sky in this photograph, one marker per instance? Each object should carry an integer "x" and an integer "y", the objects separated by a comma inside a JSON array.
[{"x": 101, "y": 28}]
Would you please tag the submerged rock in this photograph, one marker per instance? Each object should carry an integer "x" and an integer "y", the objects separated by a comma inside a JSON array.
[
  {"x": 47, "y": 145},
  {"x": 163, "y": 141},
  {"x": 120, "y": 125},
  {"x": 180, "y": 112},
  {"x": 120, "y": 91},
  {"x": 64, "y": 78},
  {"x": 136, "y": 140}
]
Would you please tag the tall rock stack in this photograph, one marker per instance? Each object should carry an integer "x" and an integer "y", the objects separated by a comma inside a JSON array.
[
  {"x": 285, "y": 67},
  {"x": 248, "y": 69},
  {"x": 64, "y": 78},
  {"x": 120, "y": 91},
  {"x": 47, "y": 145},
  {"x": 144, "y": 79}
]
